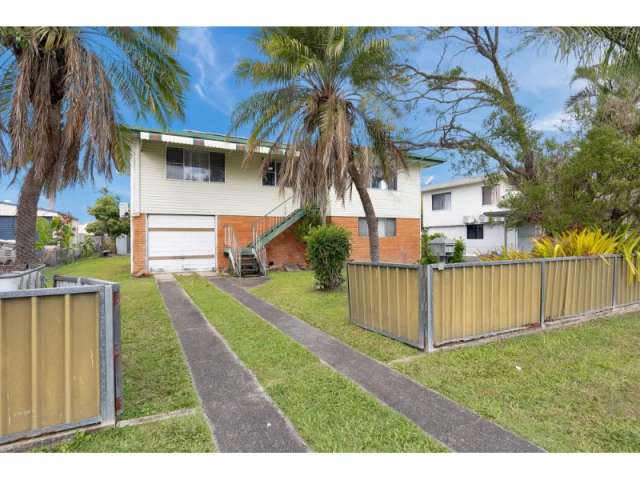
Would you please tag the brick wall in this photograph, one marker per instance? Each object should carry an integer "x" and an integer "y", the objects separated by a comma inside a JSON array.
[
  {"x": 285, "y": 248},
  {"x": 403, "y": 248},
  {"x": 139, "y": 244}
]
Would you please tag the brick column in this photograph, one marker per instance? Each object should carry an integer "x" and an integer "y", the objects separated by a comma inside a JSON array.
[{"x": 139, "y": 244}]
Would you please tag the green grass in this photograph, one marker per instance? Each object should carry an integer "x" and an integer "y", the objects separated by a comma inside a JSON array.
[
  {"x": 329, "y": 311},
  {"x": 577, "y": 389},
  {"x": 182, "y": 434},
  {"x": 330, "y": 412},
  {"x": 156, "y": 379}
]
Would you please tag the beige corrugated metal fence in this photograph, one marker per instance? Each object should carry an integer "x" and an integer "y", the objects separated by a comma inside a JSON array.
[
  {"x": 53, "y": 372},
  {"x": 386, "y": 299},
  {"x": 456, "y": 302},
  {"x": 56, "y": 379},
  {"x": 627, "y": 287},
  {"x": 483, "y": 299},
  {"x": 577, "y": 285}
]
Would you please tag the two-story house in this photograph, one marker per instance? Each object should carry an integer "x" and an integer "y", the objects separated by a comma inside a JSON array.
[
  {"x": 467, "y": 208},
  {"x": 196, "y": 204}
]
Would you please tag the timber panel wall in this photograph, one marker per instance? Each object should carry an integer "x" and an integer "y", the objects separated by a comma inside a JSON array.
[
  {"x": 478, "y": 300},
  {"x": 49, "y": 361},
  {"x": 386, "y": 299}
]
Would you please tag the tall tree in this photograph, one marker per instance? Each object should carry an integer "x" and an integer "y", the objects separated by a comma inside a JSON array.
[
  {"x": 106, "y": 211},
  {"x": 610, "y": 47},
  {"x": 59, "y": 92},
  {"x": 319, "y": 101},
  {"x": 607, "y": 98},
  {"x": 476, "y": 115}
]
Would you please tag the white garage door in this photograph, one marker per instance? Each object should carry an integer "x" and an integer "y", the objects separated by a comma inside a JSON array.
[{"x": 181, "y": 242}]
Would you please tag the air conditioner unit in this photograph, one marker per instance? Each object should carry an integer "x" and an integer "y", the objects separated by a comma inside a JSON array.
[{"x": 468, "y": 219}]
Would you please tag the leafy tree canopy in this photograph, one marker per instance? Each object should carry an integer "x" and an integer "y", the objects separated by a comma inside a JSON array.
[
  {"x": 592, "y": 183},
  {"x": 107, "y": 214}
]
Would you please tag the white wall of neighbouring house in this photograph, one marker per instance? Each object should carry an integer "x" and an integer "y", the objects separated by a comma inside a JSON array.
[
  {"x": 466, "y": 207},
  {"x": 493, "y": 240},
  {"x": 466, "y": 200}
]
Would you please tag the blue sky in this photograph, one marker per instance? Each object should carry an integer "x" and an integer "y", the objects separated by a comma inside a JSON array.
[{"x": 209, "y": 54}]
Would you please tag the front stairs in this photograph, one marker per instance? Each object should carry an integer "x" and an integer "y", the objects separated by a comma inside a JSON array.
[
  {"x": 249, "y": 265},
  {"x": 267, "y": 229}
]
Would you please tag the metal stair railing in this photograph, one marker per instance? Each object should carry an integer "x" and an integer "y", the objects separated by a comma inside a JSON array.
[
  {"x": 267, "y": 223},
  {"x": 259, "y": 250},
  {"x": 275, "y": 216},
  {"x": 232, "y": 246}
]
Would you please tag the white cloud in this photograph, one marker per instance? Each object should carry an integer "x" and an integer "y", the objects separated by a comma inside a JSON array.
[
  {"x": 212, "y": 69},
  {"x": 555, "y": 122}
]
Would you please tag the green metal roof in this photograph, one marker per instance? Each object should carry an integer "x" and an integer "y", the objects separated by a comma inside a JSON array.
[{"x": 428, "y": 161}]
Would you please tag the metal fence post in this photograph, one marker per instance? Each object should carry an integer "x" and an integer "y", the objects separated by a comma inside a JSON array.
[
  {"x": 422, "y": 306},
  {"x": 543, "y": 289},
  {"x": 429, "y": 294},
  {"x": 614, "y": 282}
]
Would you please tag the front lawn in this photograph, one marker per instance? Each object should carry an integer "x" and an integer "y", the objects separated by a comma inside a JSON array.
[
  {"x": 331, "y": 413},
  {"x": 156, "y": 378},
  {"x": 574, "y": 389},
  {"x": 188, "y": 434},
  {"x": 329, "y": 311}
]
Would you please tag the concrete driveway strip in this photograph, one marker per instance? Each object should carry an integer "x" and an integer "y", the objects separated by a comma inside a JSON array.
[
  {"x": 242, "y": 415},
  {"x": 456, "y": 427}
]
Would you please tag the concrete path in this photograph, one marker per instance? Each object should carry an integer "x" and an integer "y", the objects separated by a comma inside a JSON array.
[
  {"x": 242, "y": 416},
  {"x": 458, "y": 428}
]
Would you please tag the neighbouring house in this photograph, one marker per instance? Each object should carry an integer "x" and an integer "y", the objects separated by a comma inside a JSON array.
[
  {"x": 197, "y": 205},
  {"x": 8, "y": 219},
  {"x": 467, "y": 208},
  {"x": 123, "y": 243}
]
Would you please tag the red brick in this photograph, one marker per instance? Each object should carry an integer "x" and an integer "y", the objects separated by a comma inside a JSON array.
[{"x": 403, "y": 248}]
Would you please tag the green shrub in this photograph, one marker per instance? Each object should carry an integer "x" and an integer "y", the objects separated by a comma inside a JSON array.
[
  {"x": 328, "y": 248},
  {"x": 426, "y": 255},
  {"x": 458, "y": 252},
  {"x": 312, "y": 218},
  {"x": 88, "y": 248},
  {"x": 44, "y": 233}
]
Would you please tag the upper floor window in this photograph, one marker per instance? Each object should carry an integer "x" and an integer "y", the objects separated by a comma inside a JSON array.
[
  {"x": 386, "y": 227},
  {"x": 195, "y": 165},
  {"x": 441, "y": 201},
  {"x": 378, "y": 181},
  {"x": 489, "y": 195},
  {"x": 271, "y": 175}
]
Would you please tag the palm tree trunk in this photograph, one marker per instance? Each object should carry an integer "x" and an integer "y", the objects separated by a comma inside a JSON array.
[
  {"x": 26, "y": 218},
  {"x": 360, "y": 181}
]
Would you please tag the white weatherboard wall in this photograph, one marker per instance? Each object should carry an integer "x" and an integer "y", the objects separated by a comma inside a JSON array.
[
  {"x": 401, "y": 203},
  {"x": 242, "y": 193}
]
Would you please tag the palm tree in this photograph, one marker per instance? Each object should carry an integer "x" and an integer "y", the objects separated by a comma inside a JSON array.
[
  {"x": 60, "y": 89},
  {"x": 607, "y": 97},
  {"x": 612, "y": 47},
  {"x": 319, "y": 101}
]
